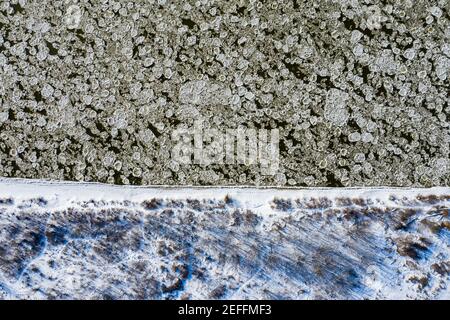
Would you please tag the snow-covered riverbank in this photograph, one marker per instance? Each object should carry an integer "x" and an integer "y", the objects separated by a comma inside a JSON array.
[{"x": 72, "y": 240}]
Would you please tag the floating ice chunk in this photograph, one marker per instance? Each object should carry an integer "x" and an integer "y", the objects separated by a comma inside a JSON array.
[
  {"x": 441, "y": 166},
  {"x": 366, "y": 137},
  {"x": 409, "y": 53},
  {"x": 359, "y": 157},
  {"x": 435, "y": 11},
  {"x": 336, "y": 107},
  {"x": 191, "y": 91},
  {"x": 385, "y": 63},
  {"x": 374, "y": 18},
  {"x": 354, "y": 137},
  {"x": 358, "y": 50},
  {"x": 442, "y": 66},
  {"x": 356, "y": 36},
  {"x": 47, "y": 91},
  {"x": 3, "y": 116},
  {"x": 204, "y": 92},
  {"x": 73, "y": 17}
]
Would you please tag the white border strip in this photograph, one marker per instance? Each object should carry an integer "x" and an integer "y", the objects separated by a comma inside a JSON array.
[{"x": 65, "y": 192}]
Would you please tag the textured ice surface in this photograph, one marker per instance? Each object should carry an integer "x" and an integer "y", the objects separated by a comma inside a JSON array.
[
  {"x": 93, "y": 90},
  {"x": 86, "y": 241}
]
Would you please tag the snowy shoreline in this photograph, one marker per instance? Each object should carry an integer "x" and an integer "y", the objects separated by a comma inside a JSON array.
[
  {"x": 62, "y": 240},
  {"x": 247, "y": 195}
]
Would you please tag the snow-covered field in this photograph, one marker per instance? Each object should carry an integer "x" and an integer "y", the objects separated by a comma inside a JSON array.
[{"x": 92, "y": 241}]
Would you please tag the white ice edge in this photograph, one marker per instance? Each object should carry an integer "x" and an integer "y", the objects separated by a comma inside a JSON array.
[{"x": 65, "y": 191}]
